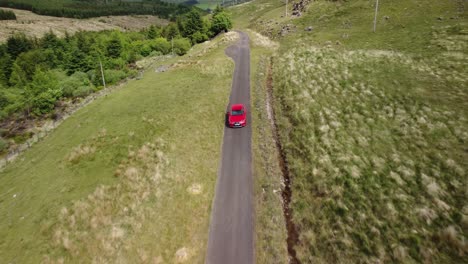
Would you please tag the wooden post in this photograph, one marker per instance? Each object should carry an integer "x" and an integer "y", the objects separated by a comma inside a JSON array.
[
  {"x": 102, "y": 74},
  {"x": 376, "y": 11}
]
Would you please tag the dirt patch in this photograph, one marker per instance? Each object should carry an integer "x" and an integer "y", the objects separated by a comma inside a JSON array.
[
  {"x": 195, "y": 189},
  {"x": 34, "y": 25},
  {"x": 182, "y": 255}
]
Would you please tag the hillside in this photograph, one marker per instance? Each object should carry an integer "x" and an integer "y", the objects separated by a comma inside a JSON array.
[
  {"x": 372, "y": 128},
  {"x": 37, "y": 26},
  {"x": 97, "y": 8},
  {"x": 360, "y": 142}
]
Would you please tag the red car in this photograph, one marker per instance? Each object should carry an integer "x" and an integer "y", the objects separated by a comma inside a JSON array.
[{"x": 237, "y": 116}]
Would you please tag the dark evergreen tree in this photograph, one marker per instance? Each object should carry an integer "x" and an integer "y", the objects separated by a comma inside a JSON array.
[
  {"x": 17, "y": 44},
  {"x": 193, "y": 23},
  {"x": 114, "y": 47},
  {"x": 152, "y": 32}
]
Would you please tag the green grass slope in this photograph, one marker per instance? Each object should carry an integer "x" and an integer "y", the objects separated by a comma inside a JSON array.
[
  {"x": 129, "y": 178},
  {"x": 373, "y": 127}
]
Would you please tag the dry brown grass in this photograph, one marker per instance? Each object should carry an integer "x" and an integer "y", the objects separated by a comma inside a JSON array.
[{"x": 36, "y": 26}]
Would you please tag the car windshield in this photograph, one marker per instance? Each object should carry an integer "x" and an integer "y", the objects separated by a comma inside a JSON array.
[{"x": 237, "y": 112}]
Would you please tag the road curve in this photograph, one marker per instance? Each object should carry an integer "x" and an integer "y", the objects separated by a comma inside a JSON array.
[{"x": 231, "y": 227}]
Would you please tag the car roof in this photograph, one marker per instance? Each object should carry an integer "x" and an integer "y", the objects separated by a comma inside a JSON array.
[{"x": 237, "y": 107}]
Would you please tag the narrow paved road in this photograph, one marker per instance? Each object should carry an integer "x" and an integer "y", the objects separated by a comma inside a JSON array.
[{"x": 231, "y": 228}]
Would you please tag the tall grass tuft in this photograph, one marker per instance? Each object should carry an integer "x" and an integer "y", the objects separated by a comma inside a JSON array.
[{"x": 378, "y": 166}]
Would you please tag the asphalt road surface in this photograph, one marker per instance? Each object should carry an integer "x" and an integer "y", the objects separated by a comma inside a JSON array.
[{"x": 231, "y": 227}]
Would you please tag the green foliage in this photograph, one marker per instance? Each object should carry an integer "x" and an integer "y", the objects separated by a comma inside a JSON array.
[
  {"x": 77, "y": 85},
  {"x": 25, "y": 63},
  {"x": 5, "y": 65},
  {"x": 3, "y": 145},
  {"x": 7, "y": 15},
  {"x": 199, "y": 37},
  {"x": 18, "y": 76},
  {"x": 153, "y": 32},
  {"x": 83, "y": 91},
  {"x": 162, "y": 45},
  {"x": 44, "y": 102},
  {"x": 113, "y": 76},
  {"x": 42, "y": 93},
  {"x": 114, "y": 47},
  {"x": 191, "y": 23},
  {"x": 171, "y": 31},
  {"x": 11, "y": 101},
  {"x": 181, "y": 46},
  {"x": 218, "y": 10},
  {"x": 17, "y": 44},
  {"x": 221, "y": 22},
  {"x": 76, "y": 61}
]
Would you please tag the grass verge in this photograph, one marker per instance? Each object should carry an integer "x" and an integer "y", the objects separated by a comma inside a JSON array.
[{"x": 270, "y": 224}]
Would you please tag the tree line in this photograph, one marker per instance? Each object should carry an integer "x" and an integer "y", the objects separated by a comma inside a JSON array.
[
  {"x": 95, "y": 8},
  {"x": 7, "y": 15},
  {"x": 36, "y": 73}
]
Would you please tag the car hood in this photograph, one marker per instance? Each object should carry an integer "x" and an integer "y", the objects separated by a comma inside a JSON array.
[{"x": 237, "y": 118}]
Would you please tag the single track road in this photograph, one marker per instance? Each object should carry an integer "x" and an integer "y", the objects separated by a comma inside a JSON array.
[{"x": 232, "y": 225}]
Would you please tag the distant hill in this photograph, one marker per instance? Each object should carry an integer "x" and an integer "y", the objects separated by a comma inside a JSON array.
[{"x": 96, "y": 8}]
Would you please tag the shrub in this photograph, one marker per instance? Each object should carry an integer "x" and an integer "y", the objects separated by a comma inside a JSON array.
[
  {"x": 145, "y": 50},
  {"x": 7, "y": 15},
  {"x": 161, "y": 45},
  {"x": 199, "y": 37},
  {"x": 221, "y": 22},
  {"x": 3, "y": 145},
  {"x": 181, "y": 46},
  {"x": 82, "y": 91},
  {"x": 45, "y": 102},
  {"x": 113, "y": 76},
  {"x": 75, "y": 82},
  {"x": 11, "y": 100}
]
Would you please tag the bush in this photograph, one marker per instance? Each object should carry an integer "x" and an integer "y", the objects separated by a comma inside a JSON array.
[
  {"x": 3, "y": 145},
  {"x": 113, "y": 76},
  {"x": 7, "y": 15},
  {"x": 145, "y": 49},
  {"x": 45, "y": 102},
  {"x": 199, "y": 37},
  {"x": 117, "y": 63},
  {"x": 82, "y": 91},
  {"x": 221, "y": 22},
  {"x": 11, "y": 100},
  {"x": 181, "y": 46},
  {"x": 161, "y": 45},
  {"x": 76, "y": 82}
]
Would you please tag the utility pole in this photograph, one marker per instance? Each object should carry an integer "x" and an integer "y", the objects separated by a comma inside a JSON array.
[
  {"x": 172, "y": 46},
  {"x": 376, "y": 11},
  {"x": 102, "y": 74}
]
